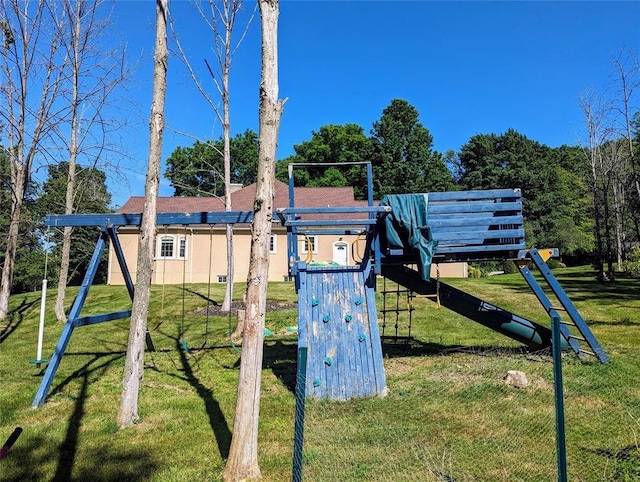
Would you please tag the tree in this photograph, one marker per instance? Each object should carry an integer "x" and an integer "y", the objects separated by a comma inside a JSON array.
[
  {"x": 134, "y": 363},
  {"x": 242, "y": 463},
  {"x": 221, "y": 20},
  {"x": 30, "y": 72},
  {"x": 403, "y": 157},
  {"x": 331, "y": 144},
  {"x": 596, "y": 135},
  {"x": 90, "y": 196},
  {"x": 93, "y": 75},
  {"x": 550, "y": 181},
  {"x": 198, "y": 170},
  {"x": 29, "y": 261},
  {"x": 627, "y": 67}
]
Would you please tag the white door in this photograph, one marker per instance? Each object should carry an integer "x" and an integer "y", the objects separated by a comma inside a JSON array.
[{"x": 341, "y": 253}]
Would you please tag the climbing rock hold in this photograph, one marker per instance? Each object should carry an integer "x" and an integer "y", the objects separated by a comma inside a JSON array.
[
  {"x": 328, "y": 361},
  {"x": 317, "y": 382},
  {"x": 516, "y": 379},
  {"x": 315, "y": 302},
  {"x": 358, "y": 301},
  {"x": 362, "y": 337},
  {"x": 348, "y": 318},
  {"x": 325, "y": 318}
]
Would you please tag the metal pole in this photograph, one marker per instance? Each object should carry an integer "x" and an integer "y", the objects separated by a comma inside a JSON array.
[
  {"x": 298, "y": 434},
  {"x": 559, "y": 399},
  {"x": 43, "y": 304}
]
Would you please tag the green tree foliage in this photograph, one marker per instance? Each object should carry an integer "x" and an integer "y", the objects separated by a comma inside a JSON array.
[
  {"x": 198, "y": 170},
  {"x": 402, "y": 154},
  {"x": 556, "y": 200},
  {"x": 331, "y": 144},
  {"x": 92, "y": 196}
]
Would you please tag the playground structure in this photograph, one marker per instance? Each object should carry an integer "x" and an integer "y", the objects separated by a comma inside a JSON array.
[{"x": 337, "y": 314}]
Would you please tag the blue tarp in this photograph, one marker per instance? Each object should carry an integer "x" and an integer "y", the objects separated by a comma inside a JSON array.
[{"x": 406, "y": 228}]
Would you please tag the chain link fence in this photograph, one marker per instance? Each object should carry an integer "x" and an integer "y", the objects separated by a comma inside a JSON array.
[{"x": 481, "y": 414}]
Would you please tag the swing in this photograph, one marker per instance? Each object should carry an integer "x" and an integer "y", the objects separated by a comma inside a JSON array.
[
  {"x": 183, "y": 342},
  {"x": 164, "y": 272},
  {"x": 206, "y": 324}
]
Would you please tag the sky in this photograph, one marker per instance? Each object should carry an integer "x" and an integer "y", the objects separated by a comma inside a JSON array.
[{"x": 474, "y": 67}]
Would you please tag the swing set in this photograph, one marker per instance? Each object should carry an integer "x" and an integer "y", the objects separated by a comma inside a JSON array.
[
  {"x": 108, "y": 225},
  {"x": 182, "y": 254}
]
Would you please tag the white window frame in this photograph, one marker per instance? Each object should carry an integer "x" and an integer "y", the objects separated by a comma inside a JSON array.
[
  {"x": 273, "y": 244},
  {"x": 180, "y": 247},
  {"x": 176, "y": 242},
  {"x": 313, "y": 239},
  {"x": 161, "y": 239},
  {"x": 222, "y": 278}
]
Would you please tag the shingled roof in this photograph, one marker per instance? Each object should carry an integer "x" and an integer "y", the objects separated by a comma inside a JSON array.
[{"x": 242, "y": 200}]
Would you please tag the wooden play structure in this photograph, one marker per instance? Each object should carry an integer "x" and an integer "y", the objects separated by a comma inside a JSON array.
[
  {"x": 337, "y": 316},
  {"x": 338, "y": 329}
]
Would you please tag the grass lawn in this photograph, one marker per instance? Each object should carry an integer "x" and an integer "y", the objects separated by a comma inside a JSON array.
[{"x": 448, "y": 416}]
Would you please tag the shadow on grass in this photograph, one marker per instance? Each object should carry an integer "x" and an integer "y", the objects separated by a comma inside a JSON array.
[
  {"x": 204, "y": 297},
  {"x": 280, "y": 356},
  {"x": 32, "y": 455},
  {"x": 626, "y": 461},
  {"x": 15, "y": 318},
  {"x": 217, "y": 420},
  {"x": 583, "y": 287},
  {"x": 69, "y": 447},
  {"x": 84, "y": 370}
]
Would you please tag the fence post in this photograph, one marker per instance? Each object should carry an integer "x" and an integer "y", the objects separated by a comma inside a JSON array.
[
  {"x": 559, "y": 398},
  {"x": 298, "y": 435}
]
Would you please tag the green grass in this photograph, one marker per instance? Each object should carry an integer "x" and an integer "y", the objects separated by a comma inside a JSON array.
[{"x": 448, "y": 413}]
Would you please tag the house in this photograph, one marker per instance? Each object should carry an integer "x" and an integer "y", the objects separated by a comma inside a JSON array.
[{"x": 197, "y": 253}]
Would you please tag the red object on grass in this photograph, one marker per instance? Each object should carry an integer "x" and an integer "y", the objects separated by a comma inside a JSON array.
[{"x": 10, "y": 441}]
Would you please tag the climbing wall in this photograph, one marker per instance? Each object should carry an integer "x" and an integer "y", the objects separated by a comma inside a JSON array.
[{"x": 337, "y": 322}]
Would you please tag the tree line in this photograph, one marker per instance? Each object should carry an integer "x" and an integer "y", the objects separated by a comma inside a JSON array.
[
  {"x": 564, "y": 194},
  {"x": 568, "y": 198}
]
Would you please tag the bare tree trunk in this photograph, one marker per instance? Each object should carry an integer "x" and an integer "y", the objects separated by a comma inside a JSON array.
[
  {"x": 242, "y": 463},
  {"x": 133, "y": 370},
  {"x": 74, "y": 42},
  {"x": 629, "y": 77},
  {"x": 618, "y": 203},
  {"x": 30, "y": 52},
  {"x": 12, "y": 245},
  {"x": 226, "y": 123}
]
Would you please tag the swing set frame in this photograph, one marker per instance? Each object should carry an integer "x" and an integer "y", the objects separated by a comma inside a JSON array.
[{"x": 108, "y": 225}]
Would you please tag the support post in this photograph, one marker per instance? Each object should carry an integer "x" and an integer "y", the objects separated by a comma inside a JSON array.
[
  {"x": 559, "y": 399},
  {"x": 65, "y": 336},
  {"x": 298, "y": 434}
]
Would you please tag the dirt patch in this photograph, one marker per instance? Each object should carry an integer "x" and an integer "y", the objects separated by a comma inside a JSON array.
[{"x": 215, "y": 309}]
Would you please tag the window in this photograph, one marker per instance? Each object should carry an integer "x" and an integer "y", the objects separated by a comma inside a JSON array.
[
  {"x": 273, "y": 244},
  {"x": 166, "y": 247},
  {"x": 222, "y": 278},
  {"x": 287, "y": 278},
  {"x": 309, "y": 243},
  {"x": 182, "y": 248}
]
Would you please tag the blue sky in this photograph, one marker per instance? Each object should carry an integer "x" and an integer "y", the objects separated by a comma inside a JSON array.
[{"x": 468, "y": 67}]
